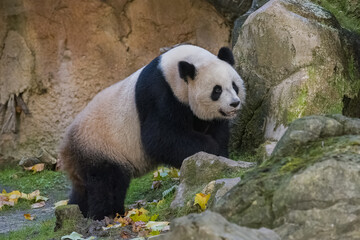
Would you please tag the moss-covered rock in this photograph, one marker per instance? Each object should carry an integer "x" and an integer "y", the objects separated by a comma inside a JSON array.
[
  {"x": 296, "y": 61},
  {"x": 200, "y": 169},
  {"x": 309, "y": 188}
]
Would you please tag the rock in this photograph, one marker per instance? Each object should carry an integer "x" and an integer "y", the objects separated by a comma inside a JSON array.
[
  {"x": 200, "y": 169},
  {"x": 296, "y": 61},
  {"x": 67, "y": 216},
  {"x": 308, "y": 189},
  {"x": 231, "y": 9},
  {"x": 308, "y": 129},
  {"x": 43, "y": 156},
  {"x": 212, "y": 226},
  {"x": 58, "y": 66},
  {"x": 218, "y": 188}
]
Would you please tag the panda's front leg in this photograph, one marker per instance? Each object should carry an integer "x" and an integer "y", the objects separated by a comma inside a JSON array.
[{"x": 219, "y": 130}]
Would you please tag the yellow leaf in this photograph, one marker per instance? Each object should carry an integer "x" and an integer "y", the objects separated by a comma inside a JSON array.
[
  {"x": 38, "y": 205},
  {"x": 154, "y": 217},
  {"x": 138, "y": 215},
  {"x": 28, "y": 217},
  {"x": 14, "y": 196},
  {"x": 36, "y": 168},
  {"x": 32, "y": 196},
  {"x": 202, "y": 200},
  {"x": 61, "y": 203}
]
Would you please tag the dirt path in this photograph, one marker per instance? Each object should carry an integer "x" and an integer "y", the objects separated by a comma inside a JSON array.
[{"x": 11, "y": 220}]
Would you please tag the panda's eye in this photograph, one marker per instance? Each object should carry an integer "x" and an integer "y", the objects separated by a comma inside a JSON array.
[
  {"x": 215, "y": 95},
  {"x": 235, "y": 88}
]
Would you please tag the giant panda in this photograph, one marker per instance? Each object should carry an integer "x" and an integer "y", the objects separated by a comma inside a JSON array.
[{"x": 177, "y": 105}]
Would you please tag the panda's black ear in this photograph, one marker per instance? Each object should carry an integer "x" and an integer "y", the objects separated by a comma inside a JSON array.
[
  {"x": 226, "y": 55},
  {"x": 186, "y": 70}
]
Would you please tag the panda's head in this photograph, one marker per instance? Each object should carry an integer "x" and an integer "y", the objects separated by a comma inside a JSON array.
[{"x": 214, "y": 89}]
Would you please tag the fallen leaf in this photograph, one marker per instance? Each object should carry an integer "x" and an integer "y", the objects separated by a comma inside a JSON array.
[
  {"x": 27, "y": 216},
  {"x": 168, "y": 191},
  {"x": 31, "y": 196},
  {"x": 124, "y": 221},
  {"x": 38, "y": 205},
  {"x": 202, "y": 200},
  {"x": 36, "y": 168},
  {"x": 4, "y": 200},
  {"x": 157, "y": 226},
  {"x": 14, "y": 196},
  {"x": 156, "y": 184},
  {"x": 41, "y": 198},
  {"x": 138, "y": 215},
  {"x": 61, "y": 203},
  {"x": 76, "y": 236},
  {"x": 138, "y": 226},
  {"x": 154, "y": 217},
  {"x": 124, "y": 235}
]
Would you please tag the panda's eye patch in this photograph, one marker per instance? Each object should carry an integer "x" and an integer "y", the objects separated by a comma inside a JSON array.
[
  {"x": 215, "y": 95},
  {"x": 235, "y": 88}
]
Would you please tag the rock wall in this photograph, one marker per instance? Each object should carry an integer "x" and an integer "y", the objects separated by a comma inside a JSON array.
[{"x": 55, "y": 55}]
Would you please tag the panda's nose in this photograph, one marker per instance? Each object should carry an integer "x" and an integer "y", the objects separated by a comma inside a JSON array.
[{"x": 235, "y": 104}]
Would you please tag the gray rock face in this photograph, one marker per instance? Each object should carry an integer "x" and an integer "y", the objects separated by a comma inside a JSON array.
[
  {"x": 202, "y": 168},
  {"x": 212, "y": 226},
  {"x": 292, "y": 55},
  {"x": 309, "y": 188}
]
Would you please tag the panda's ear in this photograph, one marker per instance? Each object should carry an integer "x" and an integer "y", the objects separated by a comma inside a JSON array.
[
  {"x": 186, "y": 70},
  {"x": 226, "y": 55}
]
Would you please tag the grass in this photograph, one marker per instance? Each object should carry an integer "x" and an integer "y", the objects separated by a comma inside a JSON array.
[
  {"x": 41, "y": 231},
  {"x": 140, "y": 189},
  {"x": 27, "y": 181}
]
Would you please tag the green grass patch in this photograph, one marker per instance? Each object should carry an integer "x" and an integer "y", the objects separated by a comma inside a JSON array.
[
  {"x": 41, "y": 231},
  {"x": 27, "y": 181},
  {"x": 140, "y": 189}
]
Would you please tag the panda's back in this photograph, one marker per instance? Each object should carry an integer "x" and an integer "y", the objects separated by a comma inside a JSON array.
[{"x": 109, "y": 126}]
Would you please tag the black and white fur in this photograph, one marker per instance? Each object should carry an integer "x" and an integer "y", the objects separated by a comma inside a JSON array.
[{"x": 177, "y": 105}]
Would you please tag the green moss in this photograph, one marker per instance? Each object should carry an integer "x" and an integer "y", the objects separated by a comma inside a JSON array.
[
  {"x": 347, "y": 14},
  {"x": 298, "y": 107}
]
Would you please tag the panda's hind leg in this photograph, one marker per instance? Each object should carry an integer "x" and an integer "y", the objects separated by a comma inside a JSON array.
[{"x": 106, "y": 185}]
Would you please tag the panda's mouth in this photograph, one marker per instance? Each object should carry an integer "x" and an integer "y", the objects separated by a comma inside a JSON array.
[{"x": 228, "y": 114}]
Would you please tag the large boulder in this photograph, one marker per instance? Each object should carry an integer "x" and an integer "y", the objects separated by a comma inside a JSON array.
[
  {"x": 296, "y": 61},
  {"x": 212, "y": 226},
  {"x": 198, "y": 170},
  {"x": 309, "y": 188},
  {"x": 56, "y": 55}
]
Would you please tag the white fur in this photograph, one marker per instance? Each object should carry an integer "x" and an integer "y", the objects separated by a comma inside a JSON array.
[
  {"x": 110, "y": 124},
  {"x": 210, "y": 71}
]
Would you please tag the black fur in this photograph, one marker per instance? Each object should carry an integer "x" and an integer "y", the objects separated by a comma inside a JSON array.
[
  {"x": 104, "y": 183},
  {"x": 169, "y": 130},
  {"x": 186, "y": 70},
  {"x": 216, "y": 93},
  {"x": 226, "y": 55},
  {"x": 236, "y": 88}
]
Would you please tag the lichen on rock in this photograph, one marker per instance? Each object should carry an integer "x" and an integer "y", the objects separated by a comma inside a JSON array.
[{"x": 312, "y": 175}]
